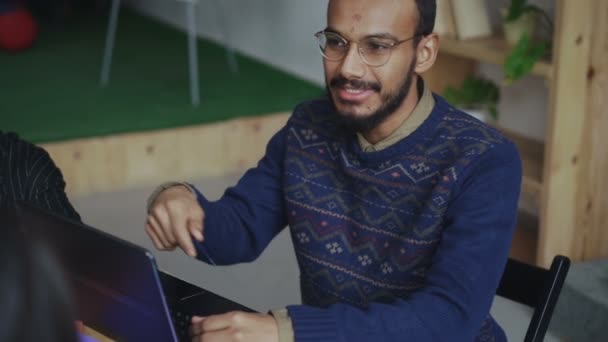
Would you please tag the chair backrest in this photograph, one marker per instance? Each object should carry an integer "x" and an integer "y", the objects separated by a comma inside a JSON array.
[{"x": 536, "y": 287}]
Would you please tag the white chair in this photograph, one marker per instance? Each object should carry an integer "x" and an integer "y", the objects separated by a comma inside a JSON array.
[{"x": 192, "y": 49}]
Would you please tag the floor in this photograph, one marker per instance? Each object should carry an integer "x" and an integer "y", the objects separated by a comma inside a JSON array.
[{"x": 271, "y": 280}]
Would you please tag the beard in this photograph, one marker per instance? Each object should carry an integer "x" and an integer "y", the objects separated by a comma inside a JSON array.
[{"x": 390, "y": 102}]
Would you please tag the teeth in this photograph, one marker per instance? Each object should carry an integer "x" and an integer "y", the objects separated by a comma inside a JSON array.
[{"x": 353, "y": 91}]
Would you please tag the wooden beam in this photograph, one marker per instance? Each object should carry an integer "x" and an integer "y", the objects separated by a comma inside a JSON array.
[
  {"x": 593, "y": 203},
  {"x": 560, "y": 232}
]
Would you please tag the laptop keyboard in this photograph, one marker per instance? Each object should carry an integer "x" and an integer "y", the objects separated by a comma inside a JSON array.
[{"x": 181, "y": 323}]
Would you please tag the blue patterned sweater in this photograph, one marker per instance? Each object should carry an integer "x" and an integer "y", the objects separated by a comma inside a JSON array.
[{"x": 407, "y": 243}]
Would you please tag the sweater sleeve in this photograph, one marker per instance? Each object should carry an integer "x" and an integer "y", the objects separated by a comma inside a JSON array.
[
  {"x": 240, "y": 225},
  {"x": 463, "y": 276}
]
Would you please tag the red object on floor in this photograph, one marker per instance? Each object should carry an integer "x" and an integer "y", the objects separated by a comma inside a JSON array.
[{"x": 17, "y": 30}]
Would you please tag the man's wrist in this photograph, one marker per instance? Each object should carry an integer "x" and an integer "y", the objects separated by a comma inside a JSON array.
[{"x": 164, "y": 186}]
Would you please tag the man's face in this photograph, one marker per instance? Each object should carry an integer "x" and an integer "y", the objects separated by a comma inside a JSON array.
[{"x": 364, "y": 96}]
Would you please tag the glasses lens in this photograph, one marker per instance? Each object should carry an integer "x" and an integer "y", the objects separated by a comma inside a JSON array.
[
  {"x": 376, "y": 52},
  {"x": 332, "y": 46}
]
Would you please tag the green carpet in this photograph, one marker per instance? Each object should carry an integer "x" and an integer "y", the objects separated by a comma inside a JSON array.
[{"x": 51, "y": 92}]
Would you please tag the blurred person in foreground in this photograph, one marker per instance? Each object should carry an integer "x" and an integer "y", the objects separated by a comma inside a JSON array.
[{"x": 35, "y": 297}]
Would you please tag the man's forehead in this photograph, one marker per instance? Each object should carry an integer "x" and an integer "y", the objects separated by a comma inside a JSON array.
[{"x": 365, "y": 17}]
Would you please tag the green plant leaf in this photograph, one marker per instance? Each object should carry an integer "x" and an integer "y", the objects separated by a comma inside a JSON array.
[
  {"x": 523, "y": 57},
  {"x": 516, "y": 9},
  {"x": 475, "y": 92},
  {"x": 519, "y": 8}
]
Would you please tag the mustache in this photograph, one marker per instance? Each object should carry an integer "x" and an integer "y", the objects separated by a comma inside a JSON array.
[{"x": 340, "y": 81}]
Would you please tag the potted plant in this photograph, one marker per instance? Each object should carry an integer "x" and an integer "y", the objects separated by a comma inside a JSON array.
[
  {"x": 477, "y": 96},
  {"x": 519, "y": 18},
  {"x": 519, "y": 23}
]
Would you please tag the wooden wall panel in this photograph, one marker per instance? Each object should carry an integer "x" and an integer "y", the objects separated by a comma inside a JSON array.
[
  {"x": 148, "y": 158},
  {"x": 593, "y": 206}
]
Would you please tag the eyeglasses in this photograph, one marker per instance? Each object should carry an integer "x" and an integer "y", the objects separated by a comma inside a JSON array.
[{"x": 374, "y": 51}]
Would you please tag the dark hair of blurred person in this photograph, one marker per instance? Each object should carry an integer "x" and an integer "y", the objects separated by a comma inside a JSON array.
[{"x": 35, "y": 297}]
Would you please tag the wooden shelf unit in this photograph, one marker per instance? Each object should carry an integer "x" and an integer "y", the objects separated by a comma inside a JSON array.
[
  {"x": 491, "y": 50},
  {"x": 525, "y": 238},
  {"x": 565, "y": 174},
  {"x": 532, "y": 155}
]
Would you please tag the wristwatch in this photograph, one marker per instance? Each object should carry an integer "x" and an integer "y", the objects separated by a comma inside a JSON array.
[{"x": 164, "y": 186}]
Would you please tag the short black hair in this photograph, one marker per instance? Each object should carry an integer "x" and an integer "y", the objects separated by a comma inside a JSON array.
[{"x": 427, "y": 10}]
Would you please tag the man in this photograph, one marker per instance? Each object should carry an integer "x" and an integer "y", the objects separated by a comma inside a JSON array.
[
  {"x": 401, "y": 208},
  {"x": 27, "y": 173}
]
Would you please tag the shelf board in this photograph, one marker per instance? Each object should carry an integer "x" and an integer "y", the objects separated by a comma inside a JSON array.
[
  {"x": 491, "y": 50},
  {"x": 532, "y": 155}
]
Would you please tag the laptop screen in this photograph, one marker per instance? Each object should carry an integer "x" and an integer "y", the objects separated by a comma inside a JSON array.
[{"x": 115, "y": 283}]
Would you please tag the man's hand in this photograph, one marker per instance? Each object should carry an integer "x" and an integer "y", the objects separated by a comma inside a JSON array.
[
  {"x": 235, "y": 326},
  {"x": 174, "y": 217}
]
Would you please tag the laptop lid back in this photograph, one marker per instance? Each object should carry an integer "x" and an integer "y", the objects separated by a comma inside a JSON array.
[{"x": 115, "y": 283}]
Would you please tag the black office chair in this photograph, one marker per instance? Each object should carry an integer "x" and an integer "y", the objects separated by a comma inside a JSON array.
[{"x": 536, "y": 287}]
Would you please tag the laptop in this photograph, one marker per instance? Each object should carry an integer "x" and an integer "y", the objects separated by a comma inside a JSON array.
[{"x": 117, "y": 287}]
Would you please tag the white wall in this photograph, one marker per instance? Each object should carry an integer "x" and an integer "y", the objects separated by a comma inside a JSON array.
[{"x": 277, "y": 32}]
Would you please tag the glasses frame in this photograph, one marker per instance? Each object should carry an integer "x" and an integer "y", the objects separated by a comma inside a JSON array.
[{"x": 360, "y": 51}]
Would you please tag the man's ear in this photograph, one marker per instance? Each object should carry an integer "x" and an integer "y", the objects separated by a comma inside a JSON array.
[{"x": 427, "y": 51}]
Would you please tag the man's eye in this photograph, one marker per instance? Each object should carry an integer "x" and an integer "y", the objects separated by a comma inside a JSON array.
[
  {"x": 377, "y": 46},
  {"x": 334, "y": 42}
]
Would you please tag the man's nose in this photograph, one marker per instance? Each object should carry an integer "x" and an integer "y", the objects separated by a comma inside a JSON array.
[{"x": 353, "y": 65}]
